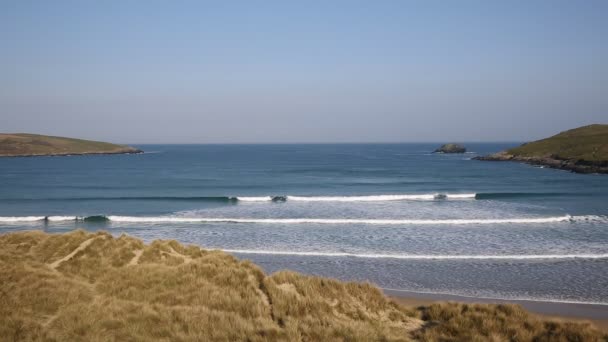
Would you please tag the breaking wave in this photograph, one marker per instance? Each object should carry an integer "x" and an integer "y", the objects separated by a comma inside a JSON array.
[
  {"x": 255, "y": 199},
  {"x": 184, "y": 219},
  {"x": 17, "y": 219},
  {"x": 380, "y": 198},
  {"x": 296, "y": 198},
  {"x": 423, "y": 257},
  {"x": 21, "y": 218},
  {"x": 366, "y": 198},
  {"x": 179, "y": 219}
]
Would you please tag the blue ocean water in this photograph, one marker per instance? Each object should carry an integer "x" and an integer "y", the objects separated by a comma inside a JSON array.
[{"x": 392, "y": 214}]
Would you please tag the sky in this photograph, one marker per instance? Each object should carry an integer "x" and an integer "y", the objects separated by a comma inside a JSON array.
[{"x": 302, "y": 71}]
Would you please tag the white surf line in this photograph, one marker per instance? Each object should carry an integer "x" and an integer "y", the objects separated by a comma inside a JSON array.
[
  {"x": 182, "y": 219},
  {"x": 422, "y": 257},
  {"x": 64, "y": 218},
  {"x": 371, "y": 198},
  {"x": 169, "y": 219},
  {"x": 363, "y": 198},
  {"x": 21, "y": 218},
  {"x": 254, "y": 199},
  {"x": 513, "y": 299},
  {"x": 461, "y": 196},
  {"x": 11, "y": 219}
]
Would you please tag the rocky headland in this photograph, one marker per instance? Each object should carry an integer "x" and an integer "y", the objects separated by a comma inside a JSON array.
[
  {"x": 580, "y": 150},
  {"x": 31, "y": 145}
]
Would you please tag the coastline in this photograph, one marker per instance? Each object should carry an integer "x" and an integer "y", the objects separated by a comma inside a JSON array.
[
  {"x": 68, "y": 154},
  {"x": 37, "y": 145},
  {"x": 575, "y": 166},
  {"x": 560, "y": 311}
]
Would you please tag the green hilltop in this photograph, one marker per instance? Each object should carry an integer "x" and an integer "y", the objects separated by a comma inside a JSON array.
[
  {"x": 581, "y": 150},
  {"x": 587, "y": 143},
  {"x": 23, "y": 144}
]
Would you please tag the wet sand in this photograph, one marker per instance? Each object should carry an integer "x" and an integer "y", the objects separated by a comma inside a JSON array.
[{"x": 594, "y": 313}]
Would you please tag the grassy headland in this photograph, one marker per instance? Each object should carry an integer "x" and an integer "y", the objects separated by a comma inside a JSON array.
[
  {"x": 22, "y": 144},
  {"x": 95, "y": 287},
  {"x": 583, "y": 149}
]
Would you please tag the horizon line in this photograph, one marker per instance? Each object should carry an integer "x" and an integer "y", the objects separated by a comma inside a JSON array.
[{"x": 328, "y": 142}]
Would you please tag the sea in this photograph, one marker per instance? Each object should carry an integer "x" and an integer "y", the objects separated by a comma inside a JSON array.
[{"x": 395, "y": 215}]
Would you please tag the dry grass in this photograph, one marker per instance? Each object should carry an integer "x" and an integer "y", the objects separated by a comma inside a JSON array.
[
  {"x": 82, "y": 286},
  {"x": 104, "y": 291},
  {"x": 503, "y": 322}
]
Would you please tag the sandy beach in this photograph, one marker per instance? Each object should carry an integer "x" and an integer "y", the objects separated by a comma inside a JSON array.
[{"x": 594, "y": 313}]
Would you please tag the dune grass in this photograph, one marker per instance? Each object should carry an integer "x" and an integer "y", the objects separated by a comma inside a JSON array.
[
  {"x": 122, "y": 289},
  {"x": 81, "y": 286},
  {"x": 23, "y": 144},
  {"x": 502, "y": 322}
]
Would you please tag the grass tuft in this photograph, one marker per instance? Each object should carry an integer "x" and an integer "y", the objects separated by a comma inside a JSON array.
[{"x": 502, "y": 322}]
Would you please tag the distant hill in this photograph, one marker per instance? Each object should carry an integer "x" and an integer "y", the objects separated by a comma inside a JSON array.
[
  {"x": 82, "y": 286},
  {"x": 583, "y": 150},
  {"x": 23, "y": 144},
  {"x": 588, "y": 143}
]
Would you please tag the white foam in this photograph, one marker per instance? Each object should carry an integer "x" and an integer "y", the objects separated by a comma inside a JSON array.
[
  {"x": 21, "y": 218},
  {"x": 461, "y": 196},
  {"x": 379, "y": 198},
  {"x": 255, "y": 199},
  {"x": 62, "y": 218},
  {"x": 366, "y": 198},
  {"x": 188, "y": 219},
  {"x": 372, "y": 198},
  {"x": 423, "y": 257},
  {"x": 509, "y": 298},
  {"x": 9, "y": 219},
  {"x": 180, "y": 219}
]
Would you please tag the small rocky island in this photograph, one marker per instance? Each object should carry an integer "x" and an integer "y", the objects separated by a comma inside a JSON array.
[
  {"x": 451, "y": 148},
  {"x": 30, "y": 145},
  {"x": 581, "y": 150}
]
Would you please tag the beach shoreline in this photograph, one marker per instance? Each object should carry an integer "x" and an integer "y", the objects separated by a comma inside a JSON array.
[{"x": 560, "y": 311}]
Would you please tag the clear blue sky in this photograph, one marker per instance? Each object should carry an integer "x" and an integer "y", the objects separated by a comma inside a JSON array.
[{"x": 306, "y": 71}]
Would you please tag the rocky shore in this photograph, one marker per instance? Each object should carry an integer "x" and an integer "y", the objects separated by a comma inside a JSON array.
[
  {"x": 581, "y": 150},
  {"x": 127, "y": 150},
  {"x": 578, "y": 166}
]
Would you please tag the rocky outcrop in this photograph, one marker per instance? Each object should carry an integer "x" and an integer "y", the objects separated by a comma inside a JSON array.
[
  {"x": 451, "y": 148},
  {"x": 554, "y": 162}
]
